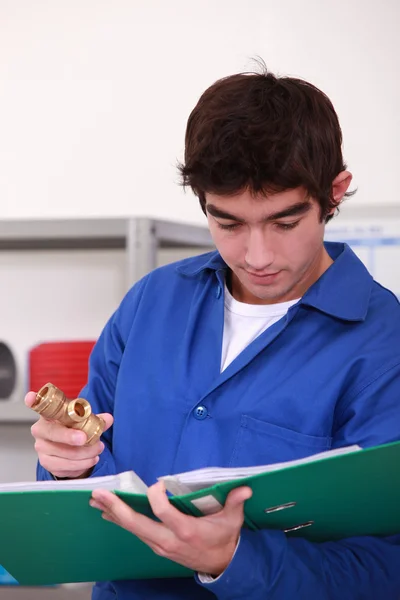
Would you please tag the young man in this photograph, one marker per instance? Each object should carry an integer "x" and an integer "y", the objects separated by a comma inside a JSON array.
[{"x": 275, "y": 347}]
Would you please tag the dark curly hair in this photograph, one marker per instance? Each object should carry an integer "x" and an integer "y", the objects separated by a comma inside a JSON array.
[{"x": 265, "y": 133}]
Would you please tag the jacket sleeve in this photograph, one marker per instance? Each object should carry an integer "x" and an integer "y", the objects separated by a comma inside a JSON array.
[
  {"x": 270, "y": 566},
  {"x": 104, "y": 364}
]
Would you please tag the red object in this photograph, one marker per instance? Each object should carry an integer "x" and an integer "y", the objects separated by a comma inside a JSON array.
[{"x": 64, "y": 364}]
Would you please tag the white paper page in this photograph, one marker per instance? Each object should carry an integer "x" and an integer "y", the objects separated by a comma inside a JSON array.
[
  {"x": 127, "y": 482},
  {"x": 191, "y": 481}
]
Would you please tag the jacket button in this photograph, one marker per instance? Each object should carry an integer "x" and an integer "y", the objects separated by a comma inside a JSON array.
[{"x": 200, "y": 413}]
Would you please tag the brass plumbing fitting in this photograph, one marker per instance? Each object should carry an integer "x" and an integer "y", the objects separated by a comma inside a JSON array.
[{"x": 52, "y": 404}]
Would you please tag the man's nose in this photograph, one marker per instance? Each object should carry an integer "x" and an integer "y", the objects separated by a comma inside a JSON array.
[{"x": 259, "y": 253}]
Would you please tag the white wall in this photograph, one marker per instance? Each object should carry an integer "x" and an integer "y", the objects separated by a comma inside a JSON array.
[{"x": 95, "y": 94}]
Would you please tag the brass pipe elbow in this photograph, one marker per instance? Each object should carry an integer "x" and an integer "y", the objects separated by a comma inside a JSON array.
[{"x": 52, "y": 404}]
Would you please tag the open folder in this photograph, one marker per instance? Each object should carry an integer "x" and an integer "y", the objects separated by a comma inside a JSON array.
[{"x": 49, "y": 533}]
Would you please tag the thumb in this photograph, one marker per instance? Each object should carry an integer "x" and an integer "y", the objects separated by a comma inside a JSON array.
[
  {"x": 234, "y": 505},
  {"x": 30, "y": 399},
  {"x": 108, "y": 419}
]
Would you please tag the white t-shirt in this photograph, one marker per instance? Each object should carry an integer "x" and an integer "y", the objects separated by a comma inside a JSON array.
[{"x": 243, "y": 323}]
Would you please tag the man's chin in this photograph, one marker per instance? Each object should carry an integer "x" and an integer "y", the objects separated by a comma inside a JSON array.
[
  {"x": 268, "y": 294},
  {"x": 259, "y": 295}
]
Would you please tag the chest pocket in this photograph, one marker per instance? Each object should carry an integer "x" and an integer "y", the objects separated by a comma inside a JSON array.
[{"x": 261, "y": 443}]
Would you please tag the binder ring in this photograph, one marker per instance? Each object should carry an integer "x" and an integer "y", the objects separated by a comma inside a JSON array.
[
  {"x": 296, "y": 527},
  {"x": 279, "y": 507}
]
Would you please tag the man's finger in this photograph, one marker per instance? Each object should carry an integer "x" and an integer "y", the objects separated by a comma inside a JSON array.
[
  {"x": 176, "y": 521},
  {"x": 108, "y": 419},
  {"x": 234, "y": 505},
  {"x": 126, "y": 517},
  {"x": 52, "y": 431},
  {"x": 30, "y": 399},
  {"x": 61, "y": 467},
  {"x": 55, "y": 432},
  {"x": 44, "y": 447}
]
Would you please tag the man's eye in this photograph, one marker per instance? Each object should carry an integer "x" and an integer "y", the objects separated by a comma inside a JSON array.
[
  {"x": 230, "y": 227},
  {"x": 287, "y": 226}
]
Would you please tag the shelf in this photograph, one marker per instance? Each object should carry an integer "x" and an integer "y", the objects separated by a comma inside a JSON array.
[
  {"x": 97, "y": 233},
  {"x": 140, "y": 237}
]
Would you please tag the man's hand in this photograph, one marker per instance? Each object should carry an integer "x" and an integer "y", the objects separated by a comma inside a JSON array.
[
  {"x": 61, "y": 450},
  {"x": 205, "y": 544}
]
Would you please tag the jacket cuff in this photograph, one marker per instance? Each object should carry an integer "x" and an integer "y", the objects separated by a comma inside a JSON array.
[
  {"x": 206, "y": 578},
  {"x": 254, "y": 566}
]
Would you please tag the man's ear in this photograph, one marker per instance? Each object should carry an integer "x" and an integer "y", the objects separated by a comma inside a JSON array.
[{"x": 340, "y": 185}]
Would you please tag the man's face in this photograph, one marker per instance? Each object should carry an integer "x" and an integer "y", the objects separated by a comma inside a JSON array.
[{"x": 273, "y": 244}]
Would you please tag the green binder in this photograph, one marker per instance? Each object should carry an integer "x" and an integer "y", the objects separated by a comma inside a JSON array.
[{"x": 54, "y": 536}]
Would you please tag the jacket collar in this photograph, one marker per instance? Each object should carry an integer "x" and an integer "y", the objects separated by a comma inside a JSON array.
[{"x": 343, "y": 291}]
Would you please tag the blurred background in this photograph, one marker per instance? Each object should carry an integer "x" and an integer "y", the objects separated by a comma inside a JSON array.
[{"x": 94, "y": 99}]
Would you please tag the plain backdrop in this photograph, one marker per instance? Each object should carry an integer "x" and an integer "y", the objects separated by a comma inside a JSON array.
[{"x": 95, "y": 94}]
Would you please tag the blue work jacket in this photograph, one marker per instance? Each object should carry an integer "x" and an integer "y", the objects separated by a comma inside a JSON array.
[{"x": 326, "y": 375}]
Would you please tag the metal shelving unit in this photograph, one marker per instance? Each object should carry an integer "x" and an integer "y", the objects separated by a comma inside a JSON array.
[{"x": 140, "y": 237}]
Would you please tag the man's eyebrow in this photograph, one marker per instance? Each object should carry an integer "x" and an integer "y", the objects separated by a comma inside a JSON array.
[
  {"x": 300, "y": 208},
  {"x": 221, "y": 214}
]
